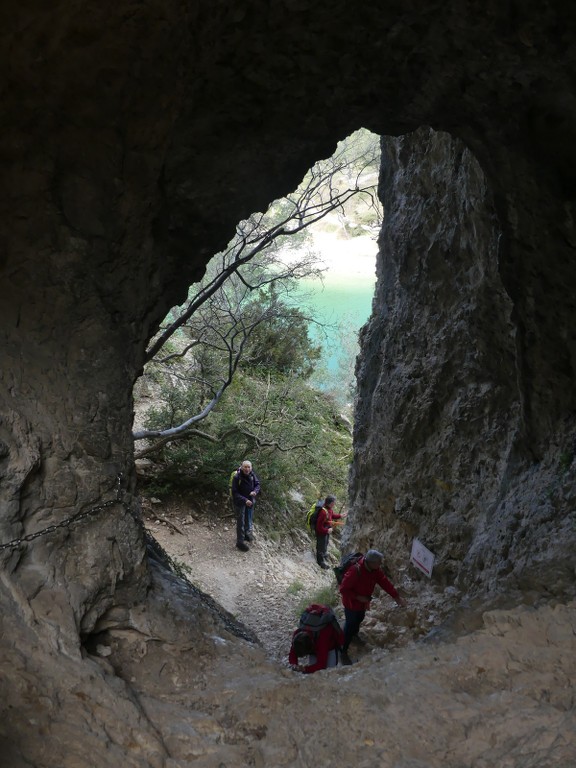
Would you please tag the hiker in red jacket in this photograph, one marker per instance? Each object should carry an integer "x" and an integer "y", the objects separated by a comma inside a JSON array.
[
  {"x": 323, "y": 653},
  {"x": 356, "y": 590},
  {"x": 324, "y": 528}
]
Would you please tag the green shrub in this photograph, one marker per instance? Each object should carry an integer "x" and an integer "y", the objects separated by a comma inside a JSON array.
[
  {"x": 295, "y": 588},
  {"x": 327, "y": 595},
  {"x": 291, "y": 432}
]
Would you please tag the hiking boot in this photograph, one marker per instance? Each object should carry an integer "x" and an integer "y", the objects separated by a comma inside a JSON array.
[
  {"x": 345, "y": 659},
  {"x": 324, "y": 566},
  {"x": 248, "y": 537},
  {"x": 242, "y": 546}
]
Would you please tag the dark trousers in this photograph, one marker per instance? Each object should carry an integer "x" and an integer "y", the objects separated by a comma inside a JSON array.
[
  {"x": 352, "y": 625},
  {"x": 321, "y": 548},
  {"x": 244, "y": 516}
]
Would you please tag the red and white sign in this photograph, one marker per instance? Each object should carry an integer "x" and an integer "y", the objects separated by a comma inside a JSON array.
[{"x": 421, "y": 557}]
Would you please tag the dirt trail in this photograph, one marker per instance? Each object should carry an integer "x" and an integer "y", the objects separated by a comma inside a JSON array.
[{"x": 263, "y": 588}]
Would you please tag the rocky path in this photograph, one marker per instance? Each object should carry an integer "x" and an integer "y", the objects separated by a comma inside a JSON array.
[{"x": 264, "y": 588}]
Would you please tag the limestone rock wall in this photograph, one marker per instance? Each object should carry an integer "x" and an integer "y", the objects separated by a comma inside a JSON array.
[{"x": 448, "y": 445}]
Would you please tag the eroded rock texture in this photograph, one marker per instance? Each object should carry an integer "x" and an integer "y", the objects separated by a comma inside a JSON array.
[
  {"x": 135, "y": 136},
  {"x": 461, "y": 440}
]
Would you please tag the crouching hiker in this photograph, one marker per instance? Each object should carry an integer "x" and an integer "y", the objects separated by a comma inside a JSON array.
[
  {"x": 319, "y": 636},
  {"x": 356, "y": 590}
]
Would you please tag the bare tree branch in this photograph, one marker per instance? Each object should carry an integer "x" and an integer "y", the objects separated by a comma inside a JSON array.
[
  {"x": 308, "y": 208},
  {"x": 188, "y": 434},
  {"x": 240, "y": 294}
]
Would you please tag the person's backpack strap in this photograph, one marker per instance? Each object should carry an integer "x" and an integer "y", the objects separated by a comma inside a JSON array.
[{"x": 232, "y": 476}]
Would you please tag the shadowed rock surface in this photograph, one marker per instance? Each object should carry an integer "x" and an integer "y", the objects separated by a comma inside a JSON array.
[
  {"x": 135, "y": 136},
  {"x": 452, "y": 444}
]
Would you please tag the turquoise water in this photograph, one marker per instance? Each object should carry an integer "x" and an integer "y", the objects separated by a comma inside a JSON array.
[{"x": 342, "y": 304}]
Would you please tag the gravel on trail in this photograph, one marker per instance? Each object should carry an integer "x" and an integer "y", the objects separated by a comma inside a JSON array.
[{"x": 265, "y": 588}]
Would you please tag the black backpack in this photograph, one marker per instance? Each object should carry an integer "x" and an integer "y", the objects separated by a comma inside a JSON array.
[
  {"x": 315, "y": 617},
  {"x": 347, "y": 561}
]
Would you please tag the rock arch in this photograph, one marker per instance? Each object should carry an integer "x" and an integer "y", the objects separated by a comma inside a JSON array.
[{"x": 135, "y": 136}]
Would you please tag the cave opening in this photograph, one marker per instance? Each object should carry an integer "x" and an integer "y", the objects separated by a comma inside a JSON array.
[
  {"x": 308, "y": 263},
  {"x": 135, "y": 135},
  {"x": 325, "y": 269}
]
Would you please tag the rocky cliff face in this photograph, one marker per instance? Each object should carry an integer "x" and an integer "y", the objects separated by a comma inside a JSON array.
[
  {"x": 448, "y": 445},
  {"x": 135, "y": 136}
]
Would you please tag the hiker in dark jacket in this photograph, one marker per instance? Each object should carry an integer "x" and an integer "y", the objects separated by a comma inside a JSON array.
[
  {"x": 245, "y": 488},
  {"x": 322, "y": 654},
  {"x": 356, "y": 590},
  {"x": 324, "y": 528}
]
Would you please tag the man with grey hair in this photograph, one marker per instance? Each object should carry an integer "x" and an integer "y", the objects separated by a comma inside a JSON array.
[
  {"x": 356, "y": 590},
  {"x": 245, "y": 488}
]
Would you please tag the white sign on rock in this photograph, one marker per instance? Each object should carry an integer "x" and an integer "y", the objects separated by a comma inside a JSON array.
[{"x": 421, "y": 557}]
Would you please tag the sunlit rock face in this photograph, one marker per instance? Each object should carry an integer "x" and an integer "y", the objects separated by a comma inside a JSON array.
[{"x": 135, "y": 136}]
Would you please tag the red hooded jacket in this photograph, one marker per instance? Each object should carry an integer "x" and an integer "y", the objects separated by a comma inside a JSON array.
[
  {"x": 324, "y": 520},
  {"x": 328, "y": 639},
  {"x": 358, "y": 580}
]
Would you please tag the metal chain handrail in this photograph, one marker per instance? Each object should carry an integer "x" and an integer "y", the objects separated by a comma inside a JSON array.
[
  {"x": 71, "y": 520},
  {"x": 154, "y": 549}
]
